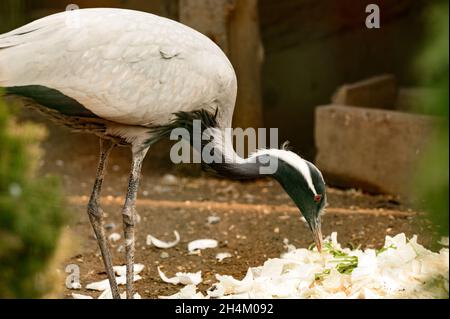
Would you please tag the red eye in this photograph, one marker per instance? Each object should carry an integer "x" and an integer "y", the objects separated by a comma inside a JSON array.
[{"x": 317, "y": 198}]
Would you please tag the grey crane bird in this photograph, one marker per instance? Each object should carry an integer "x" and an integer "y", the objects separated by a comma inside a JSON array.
[{"x": 130, "y": 78}]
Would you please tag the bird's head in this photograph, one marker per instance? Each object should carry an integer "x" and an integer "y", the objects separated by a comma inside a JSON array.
[{"x": 305, "y": 185}]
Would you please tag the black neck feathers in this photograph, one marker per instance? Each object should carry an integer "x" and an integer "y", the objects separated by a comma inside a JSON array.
[{"x": 225, "y": 165}]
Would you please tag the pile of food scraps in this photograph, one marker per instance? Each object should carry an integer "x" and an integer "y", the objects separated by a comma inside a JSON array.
[{"x": 401, "y": 269}]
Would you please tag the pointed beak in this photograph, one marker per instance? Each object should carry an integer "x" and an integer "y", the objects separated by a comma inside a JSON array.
[
  {"x": 316, "y": 229},
  {"x": 317, "y": 234}
]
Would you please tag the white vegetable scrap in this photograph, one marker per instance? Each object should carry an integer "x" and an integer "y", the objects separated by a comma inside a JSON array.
[
  {"x": 188, "y": 292},
  {"x": 202, "y": 244},
  {"x": 74, "y": 285},
  {"x": 114, "y": 237},
  {"x": 401, "y": 269},
  {"x": 229, "y": 285},
  {"x": 122, "y": 270},
  {"x": 213, "y": 219},
  {"x": 122, "y": 280},
  {"x": 107, "y": 294},
  {"x": 98, "y": 285},
  {"x": 221, "y": 256},
  {"x": 151, "y": 240},
  {"x": 80, "y": 296},
  {"x": 103, "y": 285},
  {"x": 182, "y": 278},
  {"x": 137, "y": 296}
]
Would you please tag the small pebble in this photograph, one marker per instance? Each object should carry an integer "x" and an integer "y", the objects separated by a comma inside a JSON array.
[
  {"x": 213, "y": 220},
  {"x": 164, "y": 255},
  {"x": 169, "y": 179}
]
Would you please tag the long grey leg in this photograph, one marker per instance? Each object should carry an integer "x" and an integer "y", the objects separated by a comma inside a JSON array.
[
  {"x": 95, "y": 213},
  {"x": 128, "y": 214}
]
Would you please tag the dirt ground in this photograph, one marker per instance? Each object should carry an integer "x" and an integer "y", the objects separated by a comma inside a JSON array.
[{"x": 255, "y": 217}]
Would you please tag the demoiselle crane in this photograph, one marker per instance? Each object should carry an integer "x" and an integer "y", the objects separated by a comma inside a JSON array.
[{"x": 130, "y": 78}]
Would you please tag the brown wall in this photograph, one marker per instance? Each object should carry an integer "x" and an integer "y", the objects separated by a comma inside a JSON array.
[{"x": 312, "y": 47}]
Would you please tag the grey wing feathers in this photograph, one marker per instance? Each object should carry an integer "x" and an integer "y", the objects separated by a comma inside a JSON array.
[
  {"x": 127, "y": 67},
  {"x": 24, "y": 34}
]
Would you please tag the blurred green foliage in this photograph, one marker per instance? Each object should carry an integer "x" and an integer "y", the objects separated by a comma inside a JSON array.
[
  {"x": 31, "y": 215},
  {"x": 432, "y": 64}
]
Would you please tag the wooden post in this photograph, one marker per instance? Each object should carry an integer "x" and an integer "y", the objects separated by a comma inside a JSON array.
[
  {"x": 209, "y": 17},
  {"x": 234, "y": 26}
]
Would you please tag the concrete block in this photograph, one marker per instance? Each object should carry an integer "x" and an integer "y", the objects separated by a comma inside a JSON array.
[
  {"x": 371, "y": 149},
  {"x": 377, "y": 92}
]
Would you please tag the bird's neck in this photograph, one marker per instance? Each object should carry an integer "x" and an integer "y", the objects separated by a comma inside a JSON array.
[
  {"x": 215, "y": 146},
  {"x": 218, "y": 154}
]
